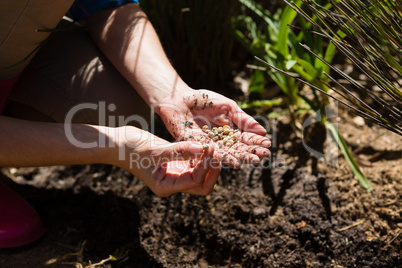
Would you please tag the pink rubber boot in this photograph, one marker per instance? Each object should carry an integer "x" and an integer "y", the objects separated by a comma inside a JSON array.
[{"x": 19, "y": 223}]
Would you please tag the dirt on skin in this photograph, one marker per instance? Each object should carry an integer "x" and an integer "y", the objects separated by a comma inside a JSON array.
[
  {"x": 293, "y": 211},
  {"x": 233, "y": 148}
]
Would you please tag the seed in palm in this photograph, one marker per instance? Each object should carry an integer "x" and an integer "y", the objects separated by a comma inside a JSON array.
[{"x": 224, "y": 136}]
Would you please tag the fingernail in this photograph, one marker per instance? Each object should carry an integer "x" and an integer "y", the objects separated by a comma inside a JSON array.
[
  {"x": 266, "y": 153},
  {"x": 266, "y": 144},
  {"x": 195, "y": 148},
  {"x": 255, "y": 162}
]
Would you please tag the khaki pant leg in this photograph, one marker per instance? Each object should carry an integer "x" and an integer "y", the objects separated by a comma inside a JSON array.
[
  {"x": 69, "y": 72},
  {"x": 21, "y": 22}
]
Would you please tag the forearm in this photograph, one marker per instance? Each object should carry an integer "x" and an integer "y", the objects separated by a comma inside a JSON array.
[
  {"x": 128, "y": 39},
  {"x": 26, "y": 143}
]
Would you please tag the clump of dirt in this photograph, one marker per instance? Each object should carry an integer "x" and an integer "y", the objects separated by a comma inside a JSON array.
[{"x": 299, "y": 212}]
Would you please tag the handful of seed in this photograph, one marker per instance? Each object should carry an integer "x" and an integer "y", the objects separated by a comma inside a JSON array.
[{"x": 224, "y": 136}]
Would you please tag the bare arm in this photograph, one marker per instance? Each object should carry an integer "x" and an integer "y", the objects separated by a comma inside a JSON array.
[
  {"x": 128, "y": 39},
  {"x": 161, "y": 165},
  {"x": 26, "y": 143}
]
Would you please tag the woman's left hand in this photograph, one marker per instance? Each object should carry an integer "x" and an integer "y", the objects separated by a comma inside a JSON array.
[{"x": 185, "y": 114}]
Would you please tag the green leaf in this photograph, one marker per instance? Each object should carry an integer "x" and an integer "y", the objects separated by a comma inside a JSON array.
[
  {"x": 349, "y": 157},
  {"x": 257, "y": 46},
  {"x": 260, "y": 11},
  {"x": 257, "y": 82},
  {"x": 290, "y": 63},
  {"x": 329, "y": 56},
  {"x": 259, "y": 103},
  {"x": 288, "y": 15},
  {"x": 308, "y": 68}
]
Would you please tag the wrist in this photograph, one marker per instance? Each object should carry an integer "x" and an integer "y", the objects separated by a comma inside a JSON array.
[
  {"x": 101, "y": 142},
  {"x": 173, "y": 97},
  {"x": 125, "y": 141}
]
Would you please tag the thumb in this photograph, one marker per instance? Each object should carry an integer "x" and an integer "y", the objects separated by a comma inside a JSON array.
[
  {"x": 184, "y": 150},
  {"x": 247, "y": 123}
]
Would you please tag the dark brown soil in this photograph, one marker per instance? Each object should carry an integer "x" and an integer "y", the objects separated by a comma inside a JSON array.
[{"x": 298, "y": 213}]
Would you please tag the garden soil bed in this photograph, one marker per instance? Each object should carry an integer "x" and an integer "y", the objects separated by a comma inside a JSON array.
[{"x": 298, "y": 213}]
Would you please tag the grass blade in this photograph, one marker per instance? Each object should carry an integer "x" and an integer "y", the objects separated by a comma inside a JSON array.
[{"x": 363, "y": 180}]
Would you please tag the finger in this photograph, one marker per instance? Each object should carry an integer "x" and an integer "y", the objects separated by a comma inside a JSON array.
[
  {"x": 210, "y": 180},
  {"x": 174, "y": 177},
  {"x": 184, "y": 150},
  {"x": 169, "y": 182},
  {"x": 221, "y": 119},
  {"x": 254, "y": 139},
  {"x": 203, "y": 166},
  {"x": 218, "y": 116},
  {"x": 174, "y": 183},
  {"x": 246, "y": 123},
  {"x": 165, "y": 184},
  {"x": 230, "y": 160},
  {"x": 246, "y": 157},
  {"x": 253, "y": 149}
]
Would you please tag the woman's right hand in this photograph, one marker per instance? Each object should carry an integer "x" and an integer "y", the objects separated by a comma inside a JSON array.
[{"x": 167, "y": 168}]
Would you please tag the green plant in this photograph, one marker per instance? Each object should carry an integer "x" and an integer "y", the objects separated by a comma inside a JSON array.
[
  {"x": 363, "y": 180},
  {"x": 279, "y": 46},
  {"x": 369, "y": 34}
]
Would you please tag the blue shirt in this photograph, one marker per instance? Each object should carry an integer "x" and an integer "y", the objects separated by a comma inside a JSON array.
[{"x": 83, "y": 8}]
